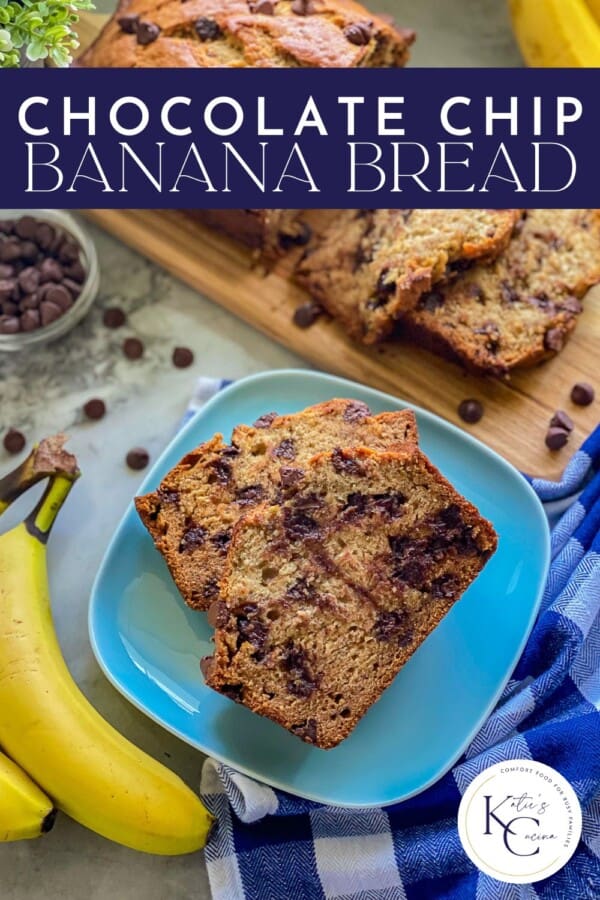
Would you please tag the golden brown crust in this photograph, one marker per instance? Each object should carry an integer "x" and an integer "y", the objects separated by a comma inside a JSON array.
[
  {"x": 327, "y": 594},
  {"x": 316, "y": 35},
  {"x": 191, "y": 515}
]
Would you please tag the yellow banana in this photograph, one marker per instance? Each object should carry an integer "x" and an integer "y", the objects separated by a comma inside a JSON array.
[
  {"x": 594, "y": 8},
  {"x": 25, "y": 812},
  {"x": 556, "y": 33},
  {"x": 48, "y": 727}
]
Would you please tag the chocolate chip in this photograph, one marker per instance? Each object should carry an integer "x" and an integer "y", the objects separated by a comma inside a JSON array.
[
  {"x": 6, "y": 226},
  {"x": 45, "y": 235},
  {"x": 76, "y": 272},
  {"x": 182, "y": 357},
  {"x": 137, "y": 458},
  {"x": 471, "y": 411},
  {"x": 7, "y": 288},
  {"x": 344, "y": 463},
  {"x": 68, "y": 252},
  {"x": 8, "y": 308},
  {"x": 9, "y": 325},
  {"x": 207, "y": 29},
  {"x": 359, "y": 33},
  {"x": 210, "y": 589},
  {"x": 222, "y": 470},
  {"x": 30, "y": 320},
  {"x": 582, "y": 394},
  {"x": 307, "y": 731},
  {"x": 206, "y": 665},
  {"x": 554, "y": 339},
  {"x": 301, "y": 683},
  {"x": 221, "y": 540},
  {"x": 298, "y": 525},
  {"x": 28, "y": 280},
  {"x": 301, "y": 592},
  {"x": 356, "y": 411},
  {"x": 128, "y": 24},
  {"x": 556, "y": 438},
  {"x": 431, "y": 301},
  {"x": 571, "y": 304},
  {"x": 14, "y": 441},
  {"x": 383, "y": 289},
  {"x": 29, "y": 251},
  {"x": 307, "y": 314},
  {"x": 561, "y": 419},
  {"x": 302, "y": 7},
  {"x": 217, "y": 614},
  {"x": 50, "y": 270},
  {"x": 263, "y": 7},
  {"x": 266, "y": 421},
  {"x": 6, "y": 271},
  {"x": 446, "y": 587},
  {"x": 49, "y": 312},
  {"x": 392, "y": 626},
  {"x": 290, "y": 476},
  {"x": 26, "y": 227},
  {"x": 146, "y": 33},
  {"x": 298, "y": 238},
  {"x": 95, "y": 409},
  {"x": 193, "y": 537},
  {"x": 250, "y": 495},
  {"x": 133, "y": 348},
  {"x": 285, "y": 450},
  {"x": 114, "y": 317},
  {"x": 251, "y": 629},
  {"x": 32, "y": 301},
  {"x": 73, "y": 291},
  {"x": 10, "y": 251}
]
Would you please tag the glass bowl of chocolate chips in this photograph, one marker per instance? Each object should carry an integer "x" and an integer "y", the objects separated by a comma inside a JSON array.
[{"x": 48, "y": 275}]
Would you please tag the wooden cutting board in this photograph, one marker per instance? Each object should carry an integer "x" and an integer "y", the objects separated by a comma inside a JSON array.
[{"x": 516, "y": 414}]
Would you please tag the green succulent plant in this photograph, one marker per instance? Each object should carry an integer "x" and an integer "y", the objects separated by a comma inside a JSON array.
[{"x": 40, "y": 29}]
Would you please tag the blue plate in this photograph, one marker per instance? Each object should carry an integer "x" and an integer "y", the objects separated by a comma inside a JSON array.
[{"x": 149, "y": 643}]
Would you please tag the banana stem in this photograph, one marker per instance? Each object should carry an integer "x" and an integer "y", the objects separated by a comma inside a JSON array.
[
  {"x": 41, "y": 519},
  {"x": 47, "y": 459}
]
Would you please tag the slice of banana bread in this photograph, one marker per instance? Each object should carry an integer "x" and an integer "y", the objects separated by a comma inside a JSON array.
[
  {"x": 327, "y": 594},
  {"x": 522, "y": 308},
  {"x": 268, "y": 232},
  {"x": 247, "y": 33},
  {"x": 371, "y": 266},
  {"x": 191, "y": 515}
]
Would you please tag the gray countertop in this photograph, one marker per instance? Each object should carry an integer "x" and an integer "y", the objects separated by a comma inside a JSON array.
[{"x": 42, "y": 391}]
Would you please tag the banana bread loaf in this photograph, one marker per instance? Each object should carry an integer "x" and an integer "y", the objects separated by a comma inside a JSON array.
[
  {"x": 191, "y": 515},
  {"x": 247, "y": 33},
  {"x": 522, "y": 308},
  {"x": 328, "y": 593},
  {"x": 268, "y": 232},
  {"x": 372, "y": 266}
]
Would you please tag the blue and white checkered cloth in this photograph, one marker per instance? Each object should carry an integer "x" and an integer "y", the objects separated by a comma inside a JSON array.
[{"x": 272, "y": 846}]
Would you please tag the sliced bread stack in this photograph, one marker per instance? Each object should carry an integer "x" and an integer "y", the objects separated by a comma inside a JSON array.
[
  {"x": 494, "y": 290},
  {"x": 326, "y": 548}
]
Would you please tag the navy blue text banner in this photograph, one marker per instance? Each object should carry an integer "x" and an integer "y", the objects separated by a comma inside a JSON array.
[{"x": 284, "y": 138}]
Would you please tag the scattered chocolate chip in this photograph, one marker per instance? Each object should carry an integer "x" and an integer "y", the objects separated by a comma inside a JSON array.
[
  {"x": 307, "y": 314},
  {"x": 133, "y": 348},
  {"x": 554, "y": 339},
  {"x": 556, "y": 438},
  {"x": 470, "y": 411},
  {"x": 561, "y": 419},
  {"x": 114, "y": 317},
  {"x": 266, "y": 421},
  {"x": 146, "y": 33},
  {"x": 356, "y": 411},
  {"x": 207, "y": 29},
  {"x": 182, "y": 357},
  {"x": 95, "y": 409},
  {"x": 128, "y": 24},
  {"x": 14, "y": 441},
  {"x": 137, "y": 458},
  {"x": 359, "y": 32},
  {"x": 263, "y": 7},
  {"x": 582, "y": 394}
]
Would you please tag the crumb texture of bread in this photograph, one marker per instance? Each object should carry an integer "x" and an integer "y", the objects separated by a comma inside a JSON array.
[
  {"x": 328, "y": 593},
  {"x": 522, "y": 308},
  {"x": 241, "y": 34},
  {"x": 191, "y": 515},
  {"x": 372, "y": 266}
]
